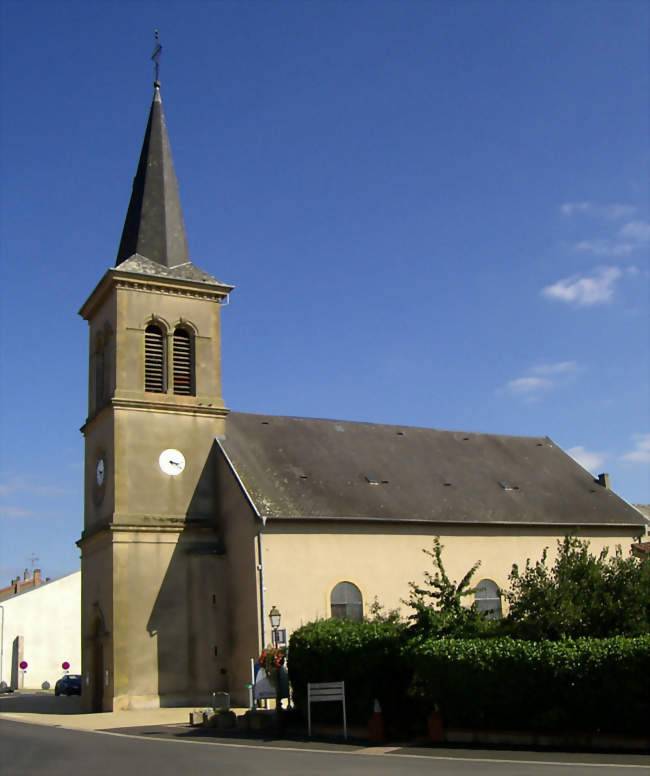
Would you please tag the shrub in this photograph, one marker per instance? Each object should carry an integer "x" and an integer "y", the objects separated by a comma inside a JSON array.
[
  {"x": 583, "y": 685},
  {"x": 366, "y": 655},
  {"x": 438, "y": 608},
  {"x": 580, "y": 595}
]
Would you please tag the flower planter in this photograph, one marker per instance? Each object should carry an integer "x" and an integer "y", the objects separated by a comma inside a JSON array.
[
  {"x": 376, "y": 728},
  {"x": 435, "y": 730}
]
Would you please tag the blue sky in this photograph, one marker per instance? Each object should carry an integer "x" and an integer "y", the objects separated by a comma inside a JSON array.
[{"x": 434, "y": 213}]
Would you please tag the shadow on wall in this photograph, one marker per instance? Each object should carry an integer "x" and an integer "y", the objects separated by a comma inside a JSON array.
[
  {"x": 189, "y": 618},
  {"x": 16, "y": 657}
]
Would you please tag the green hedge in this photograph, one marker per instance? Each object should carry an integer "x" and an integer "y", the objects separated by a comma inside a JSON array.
[
  {"x": 583, "y": 685},
  {"x": 366, "y": 655}
]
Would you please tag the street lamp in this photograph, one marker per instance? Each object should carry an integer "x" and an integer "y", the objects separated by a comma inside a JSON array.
[{"x": 275, "y": 617}]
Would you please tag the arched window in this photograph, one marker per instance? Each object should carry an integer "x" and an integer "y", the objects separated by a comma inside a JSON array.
[
  {"x": 488, "y": 599},
  {"x": 183, "y": 363},
  {"x": 154, "y": 359},
  {"x": 347, "y": 602}
]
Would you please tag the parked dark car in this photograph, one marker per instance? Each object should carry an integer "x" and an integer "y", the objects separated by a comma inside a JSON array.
[{"x": 70, "y": 684}]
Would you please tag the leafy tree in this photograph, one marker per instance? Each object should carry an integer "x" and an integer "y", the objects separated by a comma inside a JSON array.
[
  {"x": 438, "y": 603},
  {"x": 579, "y": 595},
  {"x": 378, "y": 613}
]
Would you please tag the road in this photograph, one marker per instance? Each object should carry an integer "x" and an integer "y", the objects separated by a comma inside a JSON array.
[{"x": 169, "y": 750}]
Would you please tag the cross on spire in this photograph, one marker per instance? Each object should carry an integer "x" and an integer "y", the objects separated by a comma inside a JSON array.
[{"x": 156, "y": 58}]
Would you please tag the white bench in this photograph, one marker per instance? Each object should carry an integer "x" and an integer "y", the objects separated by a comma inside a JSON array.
[{"x": 319, "y": 692}]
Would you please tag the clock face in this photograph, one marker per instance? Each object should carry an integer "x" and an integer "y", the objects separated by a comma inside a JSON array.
[
  {"x": 171, "y": 461},
  {"x": 100, "y": 471}
]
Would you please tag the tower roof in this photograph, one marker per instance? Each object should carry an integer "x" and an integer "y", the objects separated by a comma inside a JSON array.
[{"x": 154, "y": 227}]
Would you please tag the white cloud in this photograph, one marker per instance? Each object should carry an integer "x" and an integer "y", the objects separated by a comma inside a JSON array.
[
  {"x": 587, "y": 458},
  {"x": 605, "y": 247},
  {"x": 541, "y": 378},
  {"x": 20, "y": 484},
  {"x": 630, "y": 237},
  {"x": 15, "y": 512},
  {"x": 528, "y": 385},
  {"x": 639, "y": 231},
  {"x": 561, "y": 367},
  {"x": 641, "y": 452},
  {"x": 584, "y": 290},
  {"x": 611, "y": 212}
]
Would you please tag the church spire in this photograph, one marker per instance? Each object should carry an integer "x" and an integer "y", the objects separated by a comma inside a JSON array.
[{"x": 154, "y": 227}]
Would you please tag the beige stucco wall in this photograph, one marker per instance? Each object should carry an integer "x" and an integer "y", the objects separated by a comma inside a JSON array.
[
  {"x": 167, "y": 621},
  {"x": 240, "y": 529},
  {"x": 304, "y": 561},
  {"x": 48, "y": 619}
]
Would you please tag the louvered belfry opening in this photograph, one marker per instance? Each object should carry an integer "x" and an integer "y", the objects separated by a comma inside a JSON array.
[
  {"x": 183, "y": 363},
  {"x": 154, "y": 360}
]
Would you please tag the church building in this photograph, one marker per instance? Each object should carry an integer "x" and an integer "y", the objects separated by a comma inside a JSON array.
[{"x": 199, "y": 520}]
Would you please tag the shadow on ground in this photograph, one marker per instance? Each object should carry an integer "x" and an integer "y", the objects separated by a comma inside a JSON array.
[{"x": 39, "y": 703}]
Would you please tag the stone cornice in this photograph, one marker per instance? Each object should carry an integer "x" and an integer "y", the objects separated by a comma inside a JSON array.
[
  {"x": 200, "y": 409},
  {"x": 106, "y": 532},
  {"x": 115, "y": 278},
  {"x": 145, "y": 405}
]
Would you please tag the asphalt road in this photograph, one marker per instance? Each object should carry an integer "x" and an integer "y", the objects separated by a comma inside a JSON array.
[{"x": 36, "y": 749}]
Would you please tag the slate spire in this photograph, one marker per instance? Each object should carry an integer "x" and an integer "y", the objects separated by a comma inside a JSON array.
[{"x": 154, "y": 227}]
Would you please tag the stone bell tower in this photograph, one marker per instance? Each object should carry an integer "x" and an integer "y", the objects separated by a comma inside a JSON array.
[{"x": 152, "y": 626}]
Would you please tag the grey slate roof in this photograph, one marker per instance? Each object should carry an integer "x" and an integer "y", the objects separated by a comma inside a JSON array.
[
  {"x": 188, "y": 271},
  {"x": 154, "y": 221},
  {"x": 309, "y": 468}
]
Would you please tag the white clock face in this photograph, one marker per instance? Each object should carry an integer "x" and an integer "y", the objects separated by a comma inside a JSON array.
[
  {"x": 100, "y": 472},
  {"x": 171, "y": 461}
]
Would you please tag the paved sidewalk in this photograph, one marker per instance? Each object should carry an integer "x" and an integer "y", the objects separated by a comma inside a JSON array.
[
  {"x": 45, "y": 709},
  {"x": 105, "y": 720}
]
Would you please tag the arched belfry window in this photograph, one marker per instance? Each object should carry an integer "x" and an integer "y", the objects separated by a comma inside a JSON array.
[
  {"x": 488, "y": 599},
  {"x": 183, "y": 362},
  {"x": 154, "y": 359},
  {"x": 347, "y": 602}
]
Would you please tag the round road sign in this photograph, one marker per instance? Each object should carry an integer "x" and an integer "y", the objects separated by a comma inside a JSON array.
[
  {"x": 23, "y": 664},
  {"x": 65, "y": 665}
]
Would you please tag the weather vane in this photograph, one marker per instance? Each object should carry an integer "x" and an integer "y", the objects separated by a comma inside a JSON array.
[{"x": 156, "y": 58}]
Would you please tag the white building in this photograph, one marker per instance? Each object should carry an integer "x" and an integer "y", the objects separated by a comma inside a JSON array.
[{"x": 42, "y": 628}]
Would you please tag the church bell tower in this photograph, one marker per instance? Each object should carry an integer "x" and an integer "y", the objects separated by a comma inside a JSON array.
[{"x": 150, "y": 545}]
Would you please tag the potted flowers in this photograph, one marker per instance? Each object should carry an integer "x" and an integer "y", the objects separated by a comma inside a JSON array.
[{"x": 271, "y": 660}]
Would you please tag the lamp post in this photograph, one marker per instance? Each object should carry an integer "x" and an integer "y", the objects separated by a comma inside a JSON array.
[{"x": 275, "y": 617}]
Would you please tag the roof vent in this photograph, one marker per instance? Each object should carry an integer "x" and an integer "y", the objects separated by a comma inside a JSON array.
[{"x": 507, "y": 486}]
